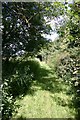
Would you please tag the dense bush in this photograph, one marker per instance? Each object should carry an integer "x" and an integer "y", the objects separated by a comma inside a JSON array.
[{"x": 17, "y": 80}]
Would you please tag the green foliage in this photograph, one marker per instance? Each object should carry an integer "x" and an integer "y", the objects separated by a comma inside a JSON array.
[
  {"x": 16, "y": 82},
  {"x": 68, "y": 68},
  {"x": 7, "y": 105},
  {"x": 23, "y": 25}
]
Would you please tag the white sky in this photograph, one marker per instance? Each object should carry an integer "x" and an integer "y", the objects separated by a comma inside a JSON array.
[
  {"x": 54, "y": 34},
  {"x": 55, "y": 23},
  {"x": 52, "y": 37}
]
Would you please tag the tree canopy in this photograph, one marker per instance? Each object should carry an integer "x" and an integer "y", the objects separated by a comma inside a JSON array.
[{"x": 23, "y": 24}]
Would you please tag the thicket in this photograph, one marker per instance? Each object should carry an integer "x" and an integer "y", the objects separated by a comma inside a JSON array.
[{"x": 67, "y": 58}]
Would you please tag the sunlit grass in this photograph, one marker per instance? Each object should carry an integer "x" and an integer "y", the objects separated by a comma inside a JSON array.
[
  {"x": 41, "y": 102},
  {"x": 44, "y": 104}
]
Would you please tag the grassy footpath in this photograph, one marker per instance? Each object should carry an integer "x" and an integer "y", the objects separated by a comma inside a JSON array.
[{"x": 47, "y": 98}]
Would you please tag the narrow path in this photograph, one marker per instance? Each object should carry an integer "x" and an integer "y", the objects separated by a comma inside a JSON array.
[{"x": 49, "y": 98}]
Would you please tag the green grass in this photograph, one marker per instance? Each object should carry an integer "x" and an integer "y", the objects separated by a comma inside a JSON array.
[
  {"x": 46, "y": 98},
  {"x": 43, "y": 104}
]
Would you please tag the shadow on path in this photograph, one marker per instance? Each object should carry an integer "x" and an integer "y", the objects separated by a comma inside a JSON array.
[{"x": 20, "y": 76}]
